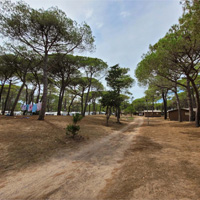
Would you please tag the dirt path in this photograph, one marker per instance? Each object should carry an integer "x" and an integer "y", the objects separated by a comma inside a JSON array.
[
  {"x": 79, "y": 175},
  {"x": 162, "y": 163}
]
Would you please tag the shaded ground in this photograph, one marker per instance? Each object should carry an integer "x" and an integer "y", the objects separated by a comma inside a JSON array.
[{"x": 159, "y": 161}]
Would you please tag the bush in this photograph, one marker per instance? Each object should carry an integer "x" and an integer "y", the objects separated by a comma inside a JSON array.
[
  {"x": 76, "y": 118},
  {"x": 73, "y": 128}
]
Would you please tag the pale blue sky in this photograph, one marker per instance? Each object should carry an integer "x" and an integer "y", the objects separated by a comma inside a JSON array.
[{"x": 123, "y": 29}]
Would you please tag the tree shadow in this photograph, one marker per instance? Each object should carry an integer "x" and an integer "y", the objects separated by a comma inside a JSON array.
[
  {"x": 192, "y": 134},
  {"x": 143, "y": 143}
]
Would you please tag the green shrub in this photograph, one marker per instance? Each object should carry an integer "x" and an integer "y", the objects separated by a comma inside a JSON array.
[
  {"x": 73, "y": 128},
  {"x": 76, "y": 118}
]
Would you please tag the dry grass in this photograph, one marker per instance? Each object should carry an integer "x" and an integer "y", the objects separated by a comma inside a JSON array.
[
  {"x": 163, "y": 162},
  {"x": 25, "y": 141}
]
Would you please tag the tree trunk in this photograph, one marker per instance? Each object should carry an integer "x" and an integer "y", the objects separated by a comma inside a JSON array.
[
  {"x": 65, "y": 104},
  {"x": 31, "y": 96},
  {"x": 32, "y": 93},
  {"x": 86, "y": 102},
  {"x": 69, "y": 107},
  {"x": 89, "y": 110},
  {"x": 6, "y": 101},
  {"x": 107, "y": 118},
  {"x": 164, "y": 96},
  {"x": 118, "y": 115},
  {"x": 86, "y": 98},
  {"x": 1, "y": 91},
  {"x": 9, "y": 103},
  {"x": 48, "y": 109},
  {"x": 48, "y": 103},
  {"x": 16, "y": 100},
  {"x": 82, "y": 108},
  {"x": 153, "y": 105},
  {"x": 197, "y": 116},
  {"x": 190, "y": 105},
  {"x": 60, "y": 100},
  {"x": 193, "y": 98},
  {"x": 45, "y": 89},
  {"x": 178, "y": 105},
  {"x": 94, "y": 107},
  {"x": 26, "y": 94},
  {"x": 61, "y": 96},
  {"x": 2, "y": 105},
  {"x": 38, "y": 96},
  {"x": 108, "y": 113}
]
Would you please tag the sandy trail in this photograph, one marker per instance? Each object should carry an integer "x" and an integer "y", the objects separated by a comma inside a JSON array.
[{"x": 79, "y": 175}]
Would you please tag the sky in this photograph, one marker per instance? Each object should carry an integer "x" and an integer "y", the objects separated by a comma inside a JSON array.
[{"x": 123, "y": 29}]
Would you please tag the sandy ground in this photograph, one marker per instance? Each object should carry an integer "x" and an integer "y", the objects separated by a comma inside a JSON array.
[
  {"x": 163, "y": 162},
  {"x": 79, "y": 175},
  {"x": 26, "y": 141},
  {"x": 160, "y": 161}
]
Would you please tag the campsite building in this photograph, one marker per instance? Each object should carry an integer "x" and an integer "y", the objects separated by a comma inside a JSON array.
[
  {"x": 152, "y": 113},
  {"x": 173, "y": 114}
]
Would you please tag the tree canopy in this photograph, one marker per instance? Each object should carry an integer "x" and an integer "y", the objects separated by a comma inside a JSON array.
[{"x": 43, "y": 31}]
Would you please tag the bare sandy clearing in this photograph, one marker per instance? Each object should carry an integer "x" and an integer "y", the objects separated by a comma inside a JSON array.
[
  {"x": 27, "y": 141},
  {"x": 159, "y": 161},
  {"x": 80, "y": 175}
]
